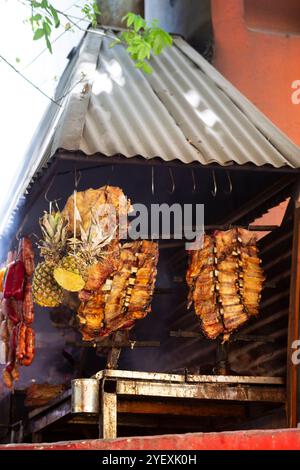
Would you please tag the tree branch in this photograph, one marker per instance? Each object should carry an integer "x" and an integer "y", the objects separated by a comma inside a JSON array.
[{"x": 28, "y": 80}]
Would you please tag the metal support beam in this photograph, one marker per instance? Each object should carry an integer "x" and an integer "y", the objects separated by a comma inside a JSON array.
[
  {"x": 207, "y": 391},
  {"x": 293, "y": 370},
  {"x": 108, "y": 415}
]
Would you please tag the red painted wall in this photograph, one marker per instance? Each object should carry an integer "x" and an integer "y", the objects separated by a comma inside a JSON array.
[
  {"x": 257, "y": 47},
  {"x": 287, "y": 439}
]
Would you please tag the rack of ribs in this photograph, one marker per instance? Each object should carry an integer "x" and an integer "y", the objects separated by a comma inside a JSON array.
[
  {"x": 125, "y": 296},
  {"x": 225, "y": 281}
]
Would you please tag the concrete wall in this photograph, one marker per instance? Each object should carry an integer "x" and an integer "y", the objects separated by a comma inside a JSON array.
[
  {"x": 112, "y": 11},
  {"x": 257, "y": 47},
  {"x": 189, "y": 18}
]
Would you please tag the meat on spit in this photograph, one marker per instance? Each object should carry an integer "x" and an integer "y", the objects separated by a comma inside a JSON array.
[
  {"x": 125, "y": 296},
  {"x": 225, "y": 281}
]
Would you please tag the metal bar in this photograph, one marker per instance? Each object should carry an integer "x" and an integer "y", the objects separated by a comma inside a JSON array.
[
  {"x": 114, "y": 354},
  {"x": 279, "y": 239},
  {"x": 206, "y": 391},
  {"x": 274, "y": 298},
  {"x": 234, "y": 337},
  {"x": 277, "y": 260},
  {"x": 266, "y": 321},
  {"x": 258, "y": 200},
  {"x": 108, "y": 416},
  {"x": 57, "y": 400},
  {"x": 235, "y": 379},
  {"x": 107, "y": 343},
  {"x": 61, "y": 410},
  {"x": 293, "y": 370},
  {"x": 128, "y": 374},
  {"x": 80, "y": 157}
]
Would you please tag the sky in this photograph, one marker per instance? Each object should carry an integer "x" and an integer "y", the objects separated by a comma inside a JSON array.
[{"x": 21, "y": 106}]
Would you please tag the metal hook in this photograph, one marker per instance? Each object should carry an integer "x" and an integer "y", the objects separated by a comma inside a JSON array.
[
  {"x": 215, "y": 190},
  {"x": 18, "y": 235},
  {"x": 47, "y": 192},
  {"x": 48, "y": 189},
  {"x": 111, "y": 173},
  {"x": 77, "y": 178},
  {"x": 229, "y": 183},
  {"x": 152, "y": 181},
  {"x": 194, "y": 180},
  {"x": 172, "y": 181}
]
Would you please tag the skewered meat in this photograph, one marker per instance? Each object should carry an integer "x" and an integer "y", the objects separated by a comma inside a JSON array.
[
  {"x": 26, "y": 254},
  {"x": 91, "y": 315},
  {"x": 226, "y": 251},
  {"x": 30, "y": 348},
  {"x": 225, "y": 281},
  {"x": 14, "y": 281},
  {"x": 202, "y": 283},
  {"x": 21, "y": 342},
  {"x": 97, "y": 275},
  {"x": 28, "y": 308},
  {"x": 4, "y": 342},
  {"x": 125, "y": 296},
  {"x": 17, "y": 312},
  {"x": 11, "y": 310},
  {"x": 96, "y": 202}
]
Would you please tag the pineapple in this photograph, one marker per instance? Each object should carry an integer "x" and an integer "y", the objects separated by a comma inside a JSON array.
[
  {"x": 46, "y": 292},
  {"x": 72, "y": 271}
]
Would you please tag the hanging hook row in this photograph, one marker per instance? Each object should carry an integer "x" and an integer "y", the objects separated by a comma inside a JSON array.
[
  {"x": 172, "y": 181},
  {"x": 77, "y": 178},
  {"x": 194, "y": 180},
  {"x": 152, "y": 182},
  {"x": 111, "y": 175},
  {"x": 229, "y": 191},
  {"x": 215, "y": 188}
]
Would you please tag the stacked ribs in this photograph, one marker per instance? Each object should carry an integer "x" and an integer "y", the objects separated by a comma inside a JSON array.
[
  {"x": 225, "y": 280},
  {"x": 125, "y": 296}
]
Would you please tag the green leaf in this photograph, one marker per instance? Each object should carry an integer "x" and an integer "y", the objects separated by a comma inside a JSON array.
[
  {"x": 96, "y": 8},
  {"x": 144, "y": 51},
  {"x": 44, "y": 4},
  {"x": 35, "y": 18},
  {"x": 47, "y": 28},
  {"x": 145, "y": 67},
  {"x": 48, "y": 20},
  {"x": 158, "y": 45},
  {"x": 129, "y": 18},
  {"x": 48, "y": 43},
  {"x": 115, "y": 42},
  {"x": 55, "y": 16},
  {"x": 138, "y": 23},
  {"x": 39, "y": 33}
]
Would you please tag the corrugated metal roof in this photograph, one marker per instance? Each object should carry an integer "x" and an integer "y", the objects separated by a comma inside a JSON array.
[{"x": 185, "y": 110}]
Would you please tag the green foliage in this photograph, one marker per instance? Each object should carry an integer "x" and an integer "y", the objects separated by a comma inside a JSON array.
[
  {"x": 91, "y": 11},
  {"x": 143, "y": 39},
  {"x": 45, "y": 17}
]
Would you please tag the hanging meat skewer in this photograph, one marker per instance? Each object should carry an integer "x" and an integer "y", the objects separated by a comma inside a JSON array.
[
  {"x": 125, "y": 297},
  {"x": 17, "y": 338},
  {"x": 225, "y": 280}
]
